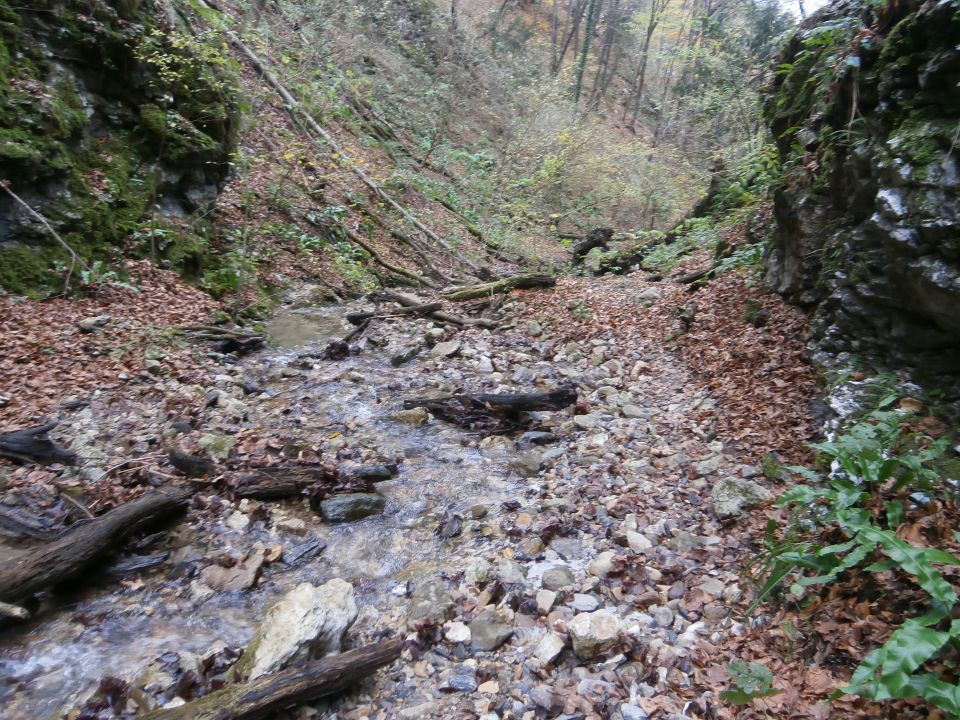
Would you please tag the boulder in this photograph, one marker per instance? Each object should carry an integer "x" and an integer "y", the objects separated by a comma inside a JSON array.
[{"x": 309, "y": 621}]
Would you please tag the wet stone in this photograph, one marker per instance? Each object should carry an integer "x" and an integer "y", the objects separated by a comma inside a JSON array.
[{"x": 351, "y": 507}]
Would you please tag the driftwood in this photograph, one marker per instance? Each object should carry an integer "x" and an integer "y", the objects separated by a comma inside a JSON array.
[
  {"x": 504, "y": 285},
  {"x": 32, "y": 444},
  {"x": 277, "y": 483},
  {"x": 356, "y": 318},
  {"x": 596, "y": 238},
  {"x": 493, "y": 412},
  {"x": 270, "y": 694},
  {"x": 72, "y": 552},
  {"x": 410, "y": 301}
]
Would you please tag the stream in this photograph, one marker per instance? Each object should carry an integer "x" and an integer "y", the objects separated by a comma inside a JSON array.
[{"x": 115, "y": 626}]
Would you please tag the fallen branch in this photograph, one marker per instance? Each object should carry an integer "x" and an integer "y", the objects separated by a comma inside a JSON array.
[
  {"x": 76, "y": 549},
  {"x": 395, "y": 269},
  {"x": 504, "y": 285},
  {"x": 74, "y": 258},
  {"x": 32, "y": 444},
  {"x": 270, "y": 694},
  {"x": 410, "y": 301},
  {"x": 355, "y": 318}
]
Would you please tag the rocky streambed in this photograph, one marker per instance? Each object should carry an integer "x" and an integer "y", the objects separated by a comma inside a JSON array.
[{"x": 579, "y": 569}]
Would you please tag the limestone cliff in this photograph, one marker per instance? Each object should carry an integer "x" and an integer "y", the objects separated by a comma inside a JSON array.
[
  {"x": 109, "y": 111},
  {"x": 866, "y": 114}
]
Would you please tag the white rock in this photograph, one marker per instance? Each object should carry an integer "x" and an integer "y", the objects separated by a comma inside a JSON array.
[
  {"x": 602, "y": 564},
  {"x": 307, "y": 621},
  {"x": 593, "y": 633},
  {"x": 549, "y": 647},
  {"x": 237, "y": 521},
  {"x": 545, "y": 601},
  {"x": 456, "y": 632},
  {"x": 638, "y": 542}
]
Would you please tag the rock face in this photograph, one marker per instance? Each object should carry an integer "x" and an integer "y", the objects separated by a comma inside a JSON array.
[
  {"x": 107, "y": 111},
  {"x": 868, "y": 228},
  {"x": 307, "y": 621}
]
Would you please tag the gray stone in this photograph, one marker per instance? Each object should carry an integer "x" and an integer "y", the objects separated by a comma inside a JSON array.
[
  {"x": 534, "y": 329},
  {"x": 430, "y": 601},
  {"x": 593, "y": 633},
  {"x": 308, "y": 621},
  {"x": 584, "y": 603},
  {"x": 549, "y": 648},
  {"x": 549, "y": 698},
  {"x": 491, "y": 629},
  {"x": 528, "y": 462},
  {"x": 732, "y": 495},
  {"x": 484, "y": 365},
  {"x": 632, "y": 411},
  {"x": 446, "y": 349},
  {"x": 638, "y": 542},
  {"x": 466, "y": 682},
  {"x": 557, "y": 578},
  {"x": 351, "y": 506}
]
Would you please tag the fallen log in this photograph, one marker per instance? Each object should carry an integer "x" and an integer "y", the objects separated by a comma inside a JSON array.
[
  {"x": 411, "y": 300},
  {"x": 493, "y": 412},
  {"x": 277, "y": 483},
  {"x": 504, "y": 285},
  {"x": 269, "y": 694},
  {"x": 76, "y": 549},
  {"x": 356, "y": 318},
  {"x": 32, "y": 444}
]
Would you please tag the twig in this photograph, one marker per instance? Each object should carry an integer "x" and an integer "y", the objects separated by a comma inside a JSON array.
[
  {"x": 77, "y": 504},
  {"x": 74, "y": 259}
]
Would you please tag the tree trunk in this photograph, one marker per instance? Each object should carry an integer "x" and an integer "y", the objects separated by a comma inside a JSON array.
[
  {"x": 535, "y": 280},
  {"x": 76, "y": 549},
  {"x": 270, "y": 694},
  {"x": 356, "y": 318}
]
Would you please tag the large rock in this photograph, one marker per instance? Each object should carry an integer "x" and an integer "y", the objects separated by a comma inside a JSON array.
[
  {"x": 308, "y": 621},
  {"x": 731, "y": 495},
  {"x": 351, "y": 506},
  {"x": 868, "y": 220},
  {"x": 593, "y": 633}
]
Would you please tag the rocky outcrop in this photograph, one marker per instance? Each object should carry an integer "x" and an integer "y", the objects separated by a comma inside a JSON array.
[
  {"x": 865, "y": 113},
  {"x": 109, "y": 112}
]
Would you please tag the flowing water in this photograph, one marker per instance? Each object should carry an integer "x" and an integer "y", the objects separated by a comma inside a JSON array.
[{"x": 116, "y": 627}]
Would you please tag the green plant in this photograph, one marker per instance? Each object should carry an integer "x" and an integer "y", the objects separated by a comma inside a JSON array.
[
  {"x": 846, "y": 521},
  {"x": 750, "y": 680}
]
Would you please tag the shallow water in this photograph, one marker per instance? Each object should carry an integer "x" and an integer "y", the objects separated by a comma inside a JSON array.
[{"x": 117, "y": 628}]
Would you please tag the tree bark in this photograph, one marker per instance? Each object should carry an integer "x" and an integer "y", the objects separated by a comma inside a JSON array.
[
  {"x": 272, "y": 693},
  {"x": 76, "y": 549},
  {"x": 524, "y": 402},
  {"x": 32, "y": 444},
  {"x": 504, "y": 285}
]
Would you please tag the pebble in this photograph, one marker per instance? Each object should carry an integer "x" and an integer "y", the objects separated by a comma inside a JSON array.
[
  {"x": 456, "y": 632},
  {"x": 545, "y": 601},
  {"x": 557, "y": 578},
  {"x": 549, "y": 647},
  {"x": 584, "y": 603},
  {"x": 593, "y": 633}
]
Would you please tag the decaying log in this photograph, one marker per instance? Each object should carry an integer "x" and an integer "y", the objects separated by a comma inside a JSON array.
[
  {"x": 493, "y": 412},
  {"x": 32, "y": 444},
  {"x": 504, "y": 285},
  {"x": 72, "y": 552},
  {"x": 411, "y": 300},
  {"x": 239, "y": 342},
  {"x": 596, "y": 238},
  {"x": 356, "y": 318},
  {"x": 277, "y": 483},
  {"x": 270, "y": 694}
]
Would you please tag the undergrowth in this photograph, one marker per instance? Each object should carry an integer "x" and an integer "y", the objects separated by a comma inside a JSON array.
[{"x": 879, "y": 511}]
